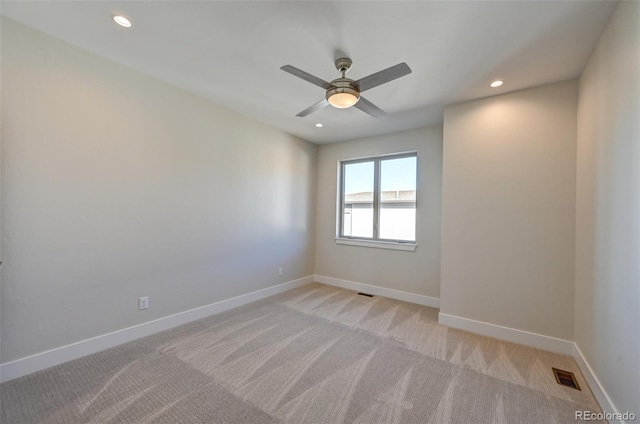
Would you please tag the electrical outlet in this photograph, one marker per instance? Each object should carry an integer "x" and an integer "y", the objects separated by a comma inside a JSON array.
[
  {"x": 280, "y": 272},
  {"x": 143, "y": 303}
]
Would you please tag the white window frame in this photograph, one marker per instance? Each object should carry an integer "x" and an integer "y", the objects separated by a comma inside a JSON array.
[{"x": 375, "y": 241}]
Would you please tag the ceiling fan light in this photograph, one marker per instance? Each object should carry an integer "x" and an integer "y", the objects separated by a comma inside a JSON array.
[{"x": 342, "y": 97}]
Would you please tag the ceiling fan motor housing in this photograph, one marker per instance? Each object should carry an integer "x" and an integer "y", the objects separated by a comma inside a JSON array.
[{"x": 342, "y": 95}]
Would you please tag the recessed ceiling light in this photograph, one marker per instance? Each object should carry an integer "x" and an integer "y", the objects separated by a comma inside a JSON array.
[
  {"x": 122, "y": 21},
  {"x": 497, "y": 83},
  {"x": 319, "y": 125}
]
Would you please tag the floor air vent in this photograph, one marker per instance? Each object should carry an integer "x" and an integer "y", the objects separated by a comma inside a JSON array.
[
  {"x": 566, "y": 378},
  {"x": 365, "y": 294}
]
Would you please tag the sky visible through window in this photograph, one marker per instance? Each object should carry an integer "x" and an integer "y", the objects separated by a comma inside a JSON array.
[{"x": 396, "y": 174}]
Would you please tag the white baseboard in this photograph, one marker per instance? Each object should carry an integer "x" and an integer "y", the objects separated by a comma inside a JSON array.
[
  {"x": 594, "y": 383},
  {"x": 40, "y": 361},
  {"x": 420, "y": 299},
  {"x": 509, "y": 334}
]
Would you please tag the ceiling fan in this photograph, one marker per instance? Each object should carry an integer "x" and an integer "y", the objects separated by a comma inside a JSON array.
[{"x": 345, "y": 92}]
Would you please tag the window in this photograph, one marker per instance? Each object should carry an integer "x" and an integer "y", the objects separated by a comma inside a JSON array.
[{"x": 378, "y": 198}]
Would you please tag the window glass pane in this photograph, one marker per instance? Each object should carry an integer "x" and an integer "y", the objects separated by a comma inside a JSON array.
[
  {"x": 398, "y": 199},
  {"x": 357, "y": 216}
]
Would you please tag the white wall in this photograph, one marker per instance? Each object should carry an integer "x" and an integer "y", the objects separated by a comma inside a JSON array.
[
  {"x": 116, "y": 186},
  {"x": 508, "y": 210},
  {"x": 607, "y": 301},
  {"x": 0, "y": 186},
  {"x": 414, "y": 272}
]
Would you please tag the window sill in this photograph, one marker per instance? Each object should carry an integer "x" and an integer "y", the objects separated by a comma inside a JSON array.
[{"x": 411, "y": 247}]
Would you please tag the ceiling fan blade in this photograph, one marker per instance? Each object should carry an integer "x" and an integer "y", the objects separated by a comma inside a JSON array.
[
  {"x": 368, "y": 107},
  {"x": 386, "y": 75},
  {"x": 322, "y": 103},
  {"x": 306, "y": 76}
]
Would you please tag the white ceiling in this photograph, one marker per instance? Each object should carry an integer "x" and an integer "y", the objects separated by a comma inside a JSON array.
[{"x": 231, "y": 51}]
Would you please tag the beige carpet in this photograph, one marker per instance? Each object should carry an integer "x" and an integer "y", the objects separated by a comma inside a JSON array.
[{"x": 316, "y": 354}]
